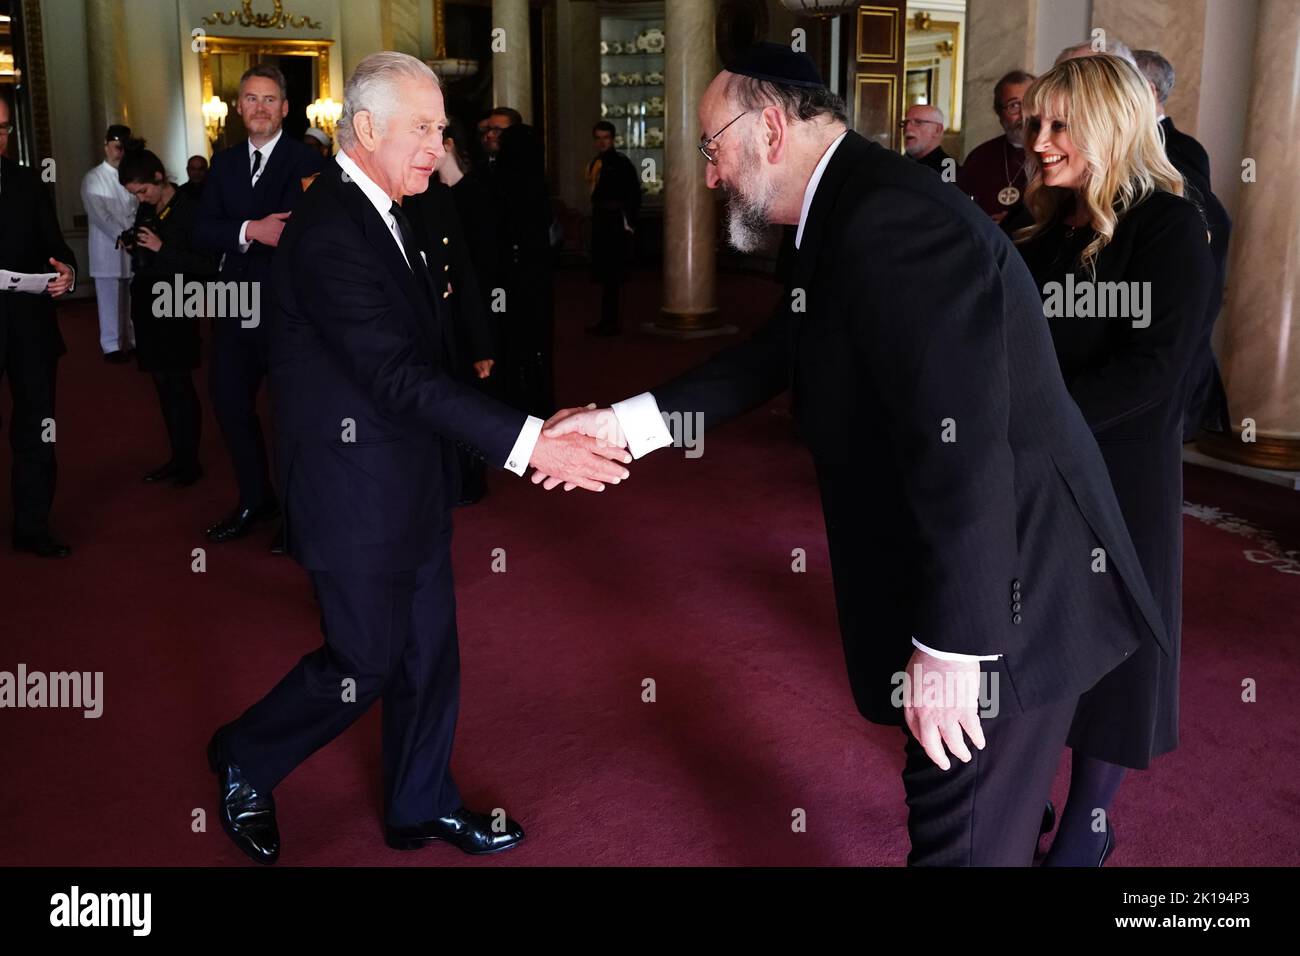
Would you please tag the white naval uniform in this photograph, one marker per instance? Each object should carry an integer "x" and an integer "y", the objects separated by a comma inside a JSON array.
[{"x": 111, "y": 210}]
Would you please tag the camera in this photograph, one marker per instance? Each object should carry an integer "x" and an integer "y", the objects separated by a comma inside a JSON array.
[{"x": 147, "y": 217}]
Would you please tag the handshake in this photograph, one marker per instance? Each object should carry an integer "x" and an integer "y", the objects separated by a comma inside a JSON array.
[{"x": 580, "y": 448}]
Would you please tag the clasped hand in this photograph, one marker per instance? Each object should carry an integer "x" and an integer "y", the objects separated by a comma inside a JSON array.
[{"x": 578, "y": 448}]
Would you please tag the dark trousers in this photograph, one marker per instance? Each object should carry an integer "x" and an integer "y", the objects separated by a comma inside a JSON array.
[
  {"x": 182, "y": 416},
  {"x": 239, "y": 361},
  {"x": 986, "y": 812},
  {"x": 31, "y": 372},
  {"x": 394, "y": 635},
  {"x": 609, "y": 290}
]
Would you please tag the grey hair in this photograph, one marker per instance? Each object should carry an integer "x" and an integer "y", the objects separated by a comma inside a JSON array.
[
  {"x": 1158, "y": 70},
  {"x": 797, "y": 102},
  {"x": 372, "y": 88},
  {"x": 1113, "y": 45}
]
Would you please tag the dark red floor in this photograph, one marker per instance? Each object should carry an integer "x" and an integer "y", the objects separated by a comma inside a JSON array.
[{"x": 681, "y": 575}]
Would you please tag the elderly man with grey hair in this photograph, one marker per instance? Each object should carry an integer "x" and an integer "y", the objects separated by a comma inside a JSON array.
[
  {"x": 923, "y": 140},
  {"x": 368, "y": 418},
  {"x": 1102, "y": 44}
]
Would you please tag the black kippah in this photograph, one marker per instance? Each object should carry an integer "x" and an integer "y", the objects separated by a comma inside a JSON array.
[
  {"x": 777, "y": 63},
  {"x": 117, "y": 133}
]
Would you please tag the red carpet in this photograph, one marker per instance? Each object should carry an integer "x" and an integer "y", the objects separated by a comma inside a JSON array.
[{"x": 682, "y": 575}]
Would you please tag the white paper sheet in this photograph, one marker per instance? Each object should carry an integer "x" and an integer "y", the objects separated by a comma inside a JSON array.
[{"x": 25, "y": 281}]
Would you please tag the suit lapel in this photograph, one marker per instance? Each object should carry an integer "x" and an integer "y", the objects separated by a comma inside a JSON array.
[{"x": 848, "y": 156}]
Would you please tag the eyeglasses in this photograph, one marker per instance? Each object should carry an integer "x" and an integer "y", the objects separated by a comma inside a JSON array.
[
  {"x": 6, "y": 129},
  {"x": 1012, "y": 106},
  {"x": 704, "y": 144},
  {"x": 904, "y": 124}
]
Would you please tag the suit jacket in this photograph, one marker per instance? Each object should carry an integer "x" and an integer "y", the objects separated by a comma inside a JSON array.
[
  {"x": 922, "y": 319},
  {"x": 29, "y": 237},
  {"x": 360, "y": 336},
  {"x": 111, "y": 210},
  {"x": 230, "y": 199}
]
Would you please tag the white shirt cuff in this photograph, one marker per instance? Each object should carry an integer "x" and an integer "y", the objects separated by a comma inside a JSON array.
[
  {"x": 950, "y": 656},
  {"x": 243, "y": 237},
  {"x": 643, "y": 425},
  {"x": 522, "y": 453}
]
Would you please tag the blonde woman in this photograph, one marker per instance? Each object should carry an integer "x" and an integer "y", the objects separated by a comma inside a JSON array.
[{"x": 1124, "y": 266}]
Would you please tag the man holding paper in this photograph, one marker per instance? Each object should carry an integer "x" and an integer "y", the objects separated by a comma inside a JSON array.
[{"x": 30, "y": 343}]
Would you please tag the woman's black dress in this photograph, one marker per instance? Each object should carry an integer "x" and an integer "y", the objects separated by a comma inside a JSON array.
[
  {"x": 1132, "y": 386},
  {"x": 168, "y": 344}
]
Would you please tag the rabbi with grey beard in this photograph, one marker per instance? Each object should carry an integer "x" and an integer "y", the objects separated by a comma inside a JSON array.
[{"x": 955, "y": 469}]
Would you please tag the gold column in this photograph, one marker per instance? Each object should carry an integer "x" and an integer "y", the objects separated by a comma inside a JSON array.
[
  {"x": 512, "y": 75},
  {"x": 110, "y": 88},
  {"x": 1260, "y": 354},
  {"x": 690, "y": 212}
]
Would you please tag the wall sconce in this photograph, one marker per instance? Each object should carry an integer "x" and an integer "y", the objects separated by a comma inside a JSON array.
[
  {"x": 214, "y": 117},
  {"x": 325, "y": 113}
]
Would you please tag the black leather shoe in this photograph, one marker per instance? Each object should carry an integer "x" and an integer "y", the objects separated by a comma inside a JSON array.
[
  {"x": 1108, "y": 847},
  {"x": 248, "y": 817},
  {"x": 242, "y": 522},
  {"x": 161, "y": 473},
  {"x": 117, "y": 357},
  {"x": 278, "y": 542},
  {"x": 41, "y": 545},
  {"x": 464, "y": 829},
  {"x": 1049, "y": 819}
]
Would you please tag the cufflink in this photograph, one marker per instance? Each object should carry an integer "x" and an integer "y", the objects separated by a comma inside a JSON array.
[{"x": 512, "y": 464}]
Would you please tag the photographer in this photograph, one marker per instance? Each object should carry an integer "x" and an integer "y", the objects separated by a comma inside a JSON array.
[{"x": 167, "y": 348}]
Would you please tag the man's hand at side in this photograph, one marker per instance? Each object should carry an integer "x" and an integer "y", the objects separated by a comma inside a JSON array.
[{"x": 935, "y": 725}]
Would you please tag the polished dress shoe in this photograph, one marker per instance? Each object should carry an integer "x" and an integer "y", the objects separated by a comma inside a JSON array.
[
  {"x": 1108, "y": 847},
  {"x": 41, "y": 545},
  {"x": 247, "y": 816},
  {"x": 464, "y": 829},
  {"x": 242, "y": 522},
  {"x": 161, "y": 473}
]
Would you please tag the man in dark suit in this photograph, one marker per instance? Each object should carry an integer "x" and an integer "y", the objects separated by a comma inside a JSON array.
[
  {"x": 615, "y": 203},
  {"x": 367, "y": 417},
  {"x": 30, "y": 343},
  {"x": 250, "y": 191},
  {"x": 971, "y": 524},
  {"x": 1206, "y": 402}
]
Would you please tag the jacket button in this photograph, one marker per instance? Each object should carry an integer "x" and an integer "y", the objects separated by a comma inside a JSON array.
[
  {"x": 1015, "y": 584},
  {"x": 445, "y": 240},
  {"x": 446, "y": 267},
  {"x": 1015, "y": 619}
]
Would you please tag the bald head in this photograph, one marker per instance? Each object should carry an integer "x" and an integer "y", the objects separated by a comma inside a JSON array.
[
  {"x": 922, "y": 130},
  {"x": 1110, "y": 45}
]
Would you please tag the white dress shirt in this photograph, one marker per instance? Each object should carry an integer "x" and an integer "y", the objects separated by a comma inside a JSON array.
[
  {"x": 522, "y": 452},
  {"x": 643, "y": 424},
  {"x": 266, "y": 158}
]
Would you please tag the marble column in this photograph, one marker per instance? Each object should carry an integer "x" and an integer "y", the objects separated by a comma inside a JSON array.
[
  {"x": 690, "y": 210},
  {"x": 1001, "y": 35},
  {"x": 1260, "y": 352},
  {"x": 1176, "y": 28},
  {"x": 512, "y": 74},
  {"x": 110, "y": 87},
  {"x": 578, "y": 89}
]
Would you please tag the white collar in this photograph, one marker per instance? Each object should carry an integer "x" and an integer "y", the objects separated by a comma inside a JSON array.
[
  {"x": 378, "y": 198},
  {"x": 811, "y": 188},
  {"x": 266, "y": 149}
]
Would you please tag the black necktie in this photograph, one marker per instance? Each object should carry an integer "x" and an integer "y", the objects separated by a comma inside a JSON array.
[
  {"x": 257, "y": 163},
  {"x": 408, "y": 236}
]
